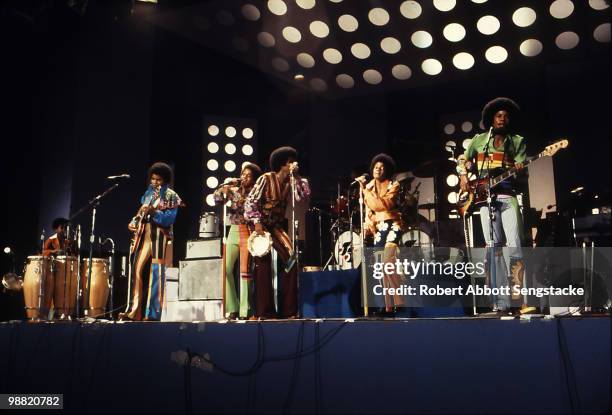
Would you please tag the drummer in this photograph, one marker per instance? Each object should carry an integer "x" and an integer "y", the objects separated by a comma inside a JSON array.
[
  {"x": 58, "y": 244},
  {"x": 383, "y": 219},
  {"x": 235, "y": 191}
]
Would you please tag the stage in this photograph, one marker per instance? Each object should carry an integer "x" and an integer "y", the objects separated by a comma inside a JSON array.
[{"x": 444, "y": 365}]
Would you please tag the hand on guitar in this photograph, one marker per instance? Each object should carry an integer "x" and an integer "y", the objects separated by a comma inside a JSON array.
[
  {"x": 464, "y": 183},
  {"x": 519, "y": 166},
  {"x": 132, "y": 227}
]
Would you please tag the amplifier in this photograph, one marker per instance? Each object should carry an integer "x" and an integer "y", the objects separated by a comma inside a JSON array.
[
  {"x": 200, "y": 279},
  {"x": 204, "y": 248}
]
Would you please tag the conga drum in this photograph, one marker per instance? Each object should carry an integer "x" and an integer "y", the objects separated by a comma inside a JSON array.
[
  {"x": 38, "y": 287},
  {"x": 100, "y": 287},
  {"x": 65, "y": 273}
]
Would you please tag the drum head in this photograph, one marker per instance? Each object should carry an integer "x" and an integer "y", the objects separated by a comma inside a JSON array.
[
  {"x": 343, "y": 250},
  {"x": 414, "y": 237},
  {"x": 259, "y": 245}
]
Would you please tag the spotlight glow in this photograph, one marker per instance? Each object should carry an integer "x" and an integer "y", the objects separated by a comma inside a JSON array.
[
  {"x": 291, "y": 34},
  {"x": 496, "y": 54},
  {"x": 487, "y": 25},
  {"x": 348, "y": 23},
  {"x": 561, "y": 9},
  {"x": 248, "y": 133},
  {"x": 213, "y": 130},
  {"x": 213, "y": 147},
  {"x": 277, "y": 7},
  {"x": 305, "y": 60},
  {"x": 266, "y": 40},
  {"x": 210, "y": 200},
  {"x": 449, "y": 129},
  {"x": 602, "y": 33},
  {"x": 421, "y": 39},
  {"x": 454, "y": 32},
  {"x": 390, "y": 45},
  {"x": 452, "y": 180},
  {"x": 431, "y": 66},
  {"x": 444, "y": 5},
  {"x": 247, "y": 150},
  {"x": 401, "y": 72},
  {"x": 531, "y": 47},
  {"x": 466, "y": 127},
  {"x": 453, "y": 197},
  {"x": 230, "y": 132},
  {"x": 378, "y": 16},
  {"x": 212, "y": 164},
  {"x": 598, "y": 4},
  {"x": 230, "y": 148},
  {"x": 372, "y": 77},
  {"x": 360, "y": 50},
  {"x": 306, "y": 4},
  {"x": 212, "y": 182},
  {"x": 410, "y": 9},
  {"x": 332, "y": 56},
  {"x": 463, "y": 61},
  {"x": 230, "y": 165},
  {"x": 345, "y": 81},
  {"x": 319, "y": 29},
  {"x": 250, "y": 12},
  {"x": 524, "y": 17},
  {"x": 466, "y": 143},
  {"x": 567, "y": 40}
]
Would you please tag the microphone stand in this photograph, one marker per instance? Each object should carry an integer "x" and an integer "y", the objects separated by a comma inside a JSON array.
[
  {"x": 364, "y": 282},
  {"x": 93, "y": 203},
  {"x": 490, "y": 212},
  {"x": 43, "y": 277},
  {"x": 111, "y": 271}
]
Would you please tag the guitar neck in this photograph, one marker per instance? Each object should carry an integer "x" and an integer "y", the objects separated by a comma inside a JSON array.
[{"x": 512, "y": 172}]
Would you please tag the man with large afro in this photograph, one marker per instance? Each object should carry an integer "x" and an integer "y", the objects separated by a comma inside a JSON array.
[
  {"x": 489, "y": 153},
  {"x": 152, "y": 229},
  {"x": 265, "y": 208}
]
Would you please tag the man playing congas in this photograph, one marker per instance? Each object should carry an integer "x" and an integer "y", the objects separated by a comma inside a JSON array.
[
  {"x": 152, "y": 228},
  {"x": 265, "y": 208},
  {"x": 58, "y": 244}
]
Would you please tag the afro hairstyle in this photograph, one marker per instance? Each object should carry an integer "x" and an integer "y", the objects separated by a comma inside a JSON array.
[
  {"x": 498, "y": 104},
  {"x": 387, "y": 161},
  {"x": 280, "y": 156},
  {"x": 254, "y": 169},
  {"x": 163, "y": 170},
  {"x": 59, "y": 222}
]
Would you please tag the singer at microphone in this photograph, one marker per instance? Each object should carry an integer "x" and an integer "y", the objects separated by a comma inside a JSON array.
[
  {"x": 361, "y": 179},
  {"x": 119, "y": 176}
]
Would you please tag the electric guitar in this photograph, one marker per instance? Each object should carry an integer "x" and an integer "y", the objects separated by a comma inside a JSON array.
[{"x": 477, "y": 189}]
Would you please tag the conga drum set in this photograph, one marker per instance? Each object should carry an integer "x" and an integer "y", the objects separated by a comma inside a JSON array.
[{"x": 57, "y": 283}]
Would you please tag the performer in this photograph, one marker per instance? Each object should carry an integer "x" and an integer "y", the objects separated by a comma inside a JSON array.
[
  {"x": 58, "y": 244},
  {"x": 265, "y": 207},
  {"x": 152, "y": 227},
  {"x": 383, "y": 219},
  {"x": 236, "y": 192},
  {"x": 485, "y": 156}
]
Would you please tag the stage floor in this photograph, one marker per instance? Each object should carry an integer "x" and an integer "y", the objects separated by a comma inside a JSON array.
[{"x": 442, "y": 365}]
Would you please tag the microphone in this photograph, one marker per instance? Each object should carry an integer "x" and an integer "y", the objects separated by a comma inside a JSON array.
[
  {"x": 365, "y": 176},
  {"x": 230, "y": 180},
  {"x": 119, "y": 176}
]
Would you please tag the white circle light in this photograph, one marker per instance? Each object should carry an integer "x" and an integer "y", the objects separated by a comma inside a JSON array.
[
  {"x": 372, "y": 77},
  {"x": 390, "y": 45},
  {"x": 319, "y": 29},
  {"x": 213, "y": 147},
  {"x": 410, "y": 9},
  {"x": 250, "y": 12},
  {"x": 230, "y": 148},
  {"x": 496, "y": 54},
  {"x": 421, "y": 39},
  {"x": 378, "y": 16},
  {"x": 454, "y": 32},
  {"x": 230, "y": 165},
  {"x": 466, "y": 126},
  {"x": 230, "y": 131},
  {"x": 332, "y": 56},
  {"x": 247, "y": 150},
  {"x": 348, "y": 23},
  {"x": 401, "y": 72},
  {"x": 463, "y": 61},
  {"x": 265, "y": 39},
  {"x": 602, "y": 33},
  {"x": 560, "y": 9},
  {"x": 212, "y": 182},
  {"x": 210, "y": 200},
  {"x": 431, "y": 66},
  {"x": 449, "y": 129},
  {"x": 360, "y": 50},
  {"x": 524, "y": 17},
  {"x": 487, "y": 25},
  {"x": 305, "y": 60},
  {"x": 531, "y": 47},
  {"x": 345, "y": 81},
  {"x": 452, "y": 180},
  {"x": 466, "y": 143},
  {"x": 444, "y": 5},
  {"x": 306, "y": 4},
  {"x": 213, "y": 130},
  {"x": 248, "y": 133},
  {"x": 598, "y": 4},
  {"x": 291, "y": 34},
  {"x": 453, "y": 198},
  {"x": 567, "y": 40},
  {"x": 278, "y": 7},
  {"x": 212, "y": 164}
]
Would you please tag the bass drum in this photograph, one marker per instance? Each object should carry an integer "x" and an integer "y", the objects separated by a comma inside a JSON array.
[
  {"x": 343, "y": 251},
  {"x": 38, "y": 272}
]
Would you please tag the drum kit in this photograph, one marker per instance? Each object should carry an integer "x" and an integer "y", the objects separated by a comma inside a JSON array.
[{"x": 52, "y": 283}]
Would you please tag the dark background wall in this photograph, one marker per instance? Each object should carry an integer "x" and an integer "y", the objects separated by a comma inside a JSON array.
[{"x": 89, "y": 95}]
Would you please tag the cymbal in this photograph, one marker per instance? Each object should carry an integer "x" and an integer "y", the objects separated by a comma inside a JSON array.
[
  {"x": 427, "y": 206},
  {"x": 433, "y": 167},
  {"x": 404, "y": 176}
]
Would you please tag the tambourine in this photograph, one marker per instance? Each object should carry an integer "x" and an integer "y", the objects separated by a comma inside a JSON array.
[{"x": 259, "y": 245}]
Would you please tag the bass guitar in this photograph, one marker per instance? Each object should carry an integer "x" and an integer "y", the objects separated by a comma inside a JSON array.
[{"x": 477, "y": 189}]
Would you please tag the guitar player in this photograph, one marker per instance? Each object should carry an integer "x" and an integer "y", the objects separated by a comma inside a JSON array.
[
  {"x": 152, "y": 227},
  {"x": 496, "y": 150}
]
